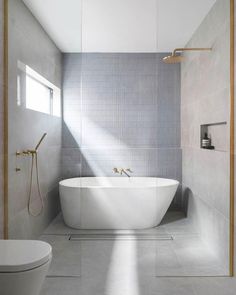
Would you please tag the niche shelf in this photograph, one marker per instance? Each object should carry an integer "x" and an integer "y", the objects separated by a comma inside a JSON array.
[{"x": 217, "y": 132}]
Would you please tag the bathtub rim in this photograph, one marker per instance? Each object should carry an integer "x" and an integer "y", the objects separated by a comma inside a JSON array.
[{"x": 167, "y": 183}]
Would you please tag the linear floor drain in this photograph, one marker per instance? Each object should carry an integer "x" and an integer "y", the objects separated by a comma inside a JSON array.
[
  {"x": 62, "y": 276},
  {"x": 125, "y": 237}
]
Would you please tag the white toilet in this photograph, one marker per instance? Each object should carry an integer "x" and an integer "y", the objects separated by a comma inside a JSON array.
[{"x": 23, "y": 266}]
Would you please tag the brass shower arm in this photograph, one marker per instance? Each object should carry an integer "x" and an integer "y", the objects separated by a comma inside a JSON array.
[
  {"x": 177, "y": 58},
  {"x": 190, "y": 49}
]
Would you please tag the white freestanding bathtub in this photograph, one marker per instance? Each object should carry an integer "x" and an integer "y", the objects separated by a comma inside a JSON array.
[{"x": 115, "y": 202}]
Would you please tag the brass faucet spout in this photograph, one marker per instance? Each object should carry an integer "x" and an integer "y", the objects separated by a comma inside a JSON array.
[{"x": 122, "y": 170}]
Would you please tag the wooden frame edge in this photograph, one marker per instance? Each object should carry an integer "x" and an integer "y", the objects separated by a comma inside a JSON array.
[
  {"x": 5, "y": 108},
  {"x": 231, "y": 229}
]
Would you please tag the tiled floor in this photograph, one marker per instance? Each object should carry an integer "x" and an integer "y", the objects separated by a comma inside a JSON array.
[{"x": 140, "y": 262}]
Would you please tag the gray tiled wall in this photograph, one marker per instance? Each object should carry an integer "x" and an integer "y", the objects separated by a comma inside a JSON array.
[
  {"x": 30, "y": 44},
  {"x": 121, "y": 110},
  {"x": 205, "y": 99}
]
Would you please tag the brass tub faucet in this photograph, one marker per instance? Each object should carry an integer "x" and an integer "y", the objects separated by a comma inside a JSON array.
[{"x": 122, "y": 171}]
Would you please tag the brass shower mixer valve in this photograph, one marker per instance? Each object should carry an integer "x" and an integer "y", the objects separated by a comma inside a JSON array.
[
  {"x": 26, "y": 153},
  {"x": 32, "y": 152}
]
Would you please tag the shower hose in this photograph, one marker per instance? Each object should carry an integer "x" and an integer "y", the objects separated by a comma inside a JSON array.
[{"x": 34, "y": 159}]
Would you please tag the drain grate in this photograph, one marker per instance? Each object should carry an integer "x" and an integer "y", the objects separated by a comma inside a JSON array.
[{"x": 124, "y": 237}]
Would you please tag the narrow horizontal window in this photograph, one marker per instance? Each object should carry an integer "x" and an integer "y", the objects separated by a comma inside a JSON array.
[
  {"x": 38, "y": 96},
  {"x": 36, "y": 93}
]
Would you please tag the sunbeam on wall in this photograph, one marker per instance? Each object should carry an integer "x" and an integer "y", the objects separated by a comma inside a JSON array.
[{"x": 121, "y": 110}]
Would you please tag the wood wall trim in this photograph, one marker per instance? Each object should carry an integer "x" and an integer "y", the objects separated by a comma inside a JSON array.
[{"x": 5, "y": 108}]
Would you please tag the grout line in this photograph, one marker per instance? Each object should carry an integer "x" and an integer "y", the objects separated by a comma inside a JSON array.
[
  {"x": 192, "y": 276},
  {"x": 62, "y": 235},
  {"x": 232, "y": 139},
  {"x": 158, "y": 276},
  {"x": 118, "y": 239}
]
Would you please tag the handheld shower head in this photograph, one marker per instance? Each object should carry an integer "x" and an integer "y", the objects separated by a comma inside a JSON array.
[
  {"x": 176, "y": 58},
  {"x": 40, "y": 141}
]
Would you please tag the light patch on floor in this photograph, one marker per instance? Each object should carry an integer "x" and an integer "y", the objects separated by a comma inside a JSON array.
[{"x": 123, "y": 261}]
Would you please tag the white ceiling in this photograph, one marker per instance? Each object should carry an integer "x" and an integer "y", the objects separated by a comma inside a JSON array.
[
  {"x": 178, "y": 20},
  {"x": 120, "y": 25},
  {"x": 61, "y": 19}
]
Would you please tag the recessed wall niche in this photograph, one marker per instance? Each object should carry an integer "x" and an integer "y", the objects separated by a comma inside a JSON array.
[{"x": 217, "y": 133}]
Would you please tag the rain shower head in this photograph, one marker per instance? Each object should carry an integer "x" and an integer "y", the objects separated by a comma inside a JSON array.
[
  {"x": 177, "y": 58},
  {"x": 173, "y": 59}
]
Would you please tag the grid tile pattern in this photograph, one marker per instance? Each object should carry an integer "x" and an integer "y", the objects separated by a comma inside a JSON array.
[{"x": 121, "y": 109}]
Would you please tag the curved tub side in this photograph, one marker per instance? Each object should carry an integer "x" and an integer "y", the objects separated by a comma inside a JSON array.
[
  {"x": 118, "y": 208},
  {"x": 115, "y": 208},
  {"x": 70, "y": 198}
]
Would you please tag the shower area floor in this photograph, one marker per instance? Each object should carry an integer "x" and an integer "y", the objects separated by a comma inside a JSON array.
[{"x": 125, "y": 261}]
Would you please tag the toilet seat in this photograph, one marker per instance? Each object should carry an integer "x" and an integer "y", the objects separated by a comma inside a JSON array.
[{"x": 23, "y": 255}]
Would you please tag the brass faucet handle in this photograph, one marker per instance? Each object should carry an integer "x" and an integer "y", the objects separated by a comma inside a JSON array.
[
  {"x": 26, "y": 153},
  {"x": 22, "y": 153},
  {"x": 31, "y": 152},
  {"x": 115, "y": 170}
]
